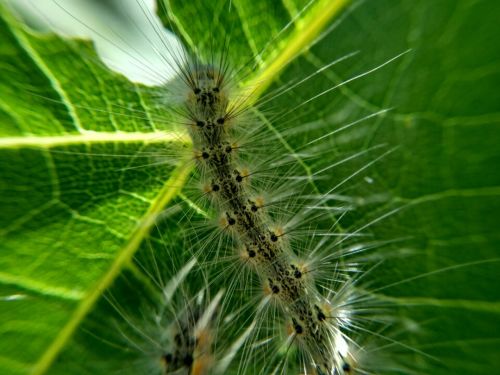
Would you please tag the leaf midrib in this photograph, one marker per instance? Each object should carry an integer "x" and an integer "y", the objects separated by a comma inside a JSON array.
[
  {"x": 304, "y": 34},
  {"x": 91, "y": 137}
]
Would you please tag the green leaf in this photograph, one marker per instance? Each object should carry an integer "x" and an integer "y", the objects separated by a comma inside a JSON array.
[{"x": 73, "y": 218}]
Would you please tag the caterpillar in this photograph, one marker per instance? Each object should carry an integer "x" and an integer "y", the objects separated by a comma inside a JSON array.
[
  {"x": 211, "y": 117},
  {"x": 221, "y": 128}
]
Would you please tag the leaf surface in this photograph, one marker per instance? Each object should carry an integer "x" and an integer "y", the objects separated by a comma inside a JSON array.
[{"x": 72, "y": 218}]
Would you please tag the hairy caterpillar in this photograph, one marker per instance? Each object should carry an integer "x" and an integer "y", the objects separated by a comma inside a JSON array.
[
  {"x": 294, "y": 202},
  {"x": 218, "y": 120},
  {"x": 210, "y": 118}
]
